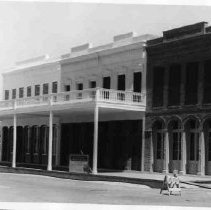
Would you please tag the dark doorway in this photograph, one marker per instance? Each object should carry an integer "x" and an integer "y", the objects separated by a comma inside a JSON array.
[
  {"x": 107, "y": 82},
  {"x": 137, "y": 77},
  {"x": 121, "y": 82}
]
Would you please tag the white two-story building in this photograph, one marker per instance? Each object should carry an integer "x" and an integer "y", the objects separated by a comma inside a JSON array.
[{"x": 89, "y": 101}]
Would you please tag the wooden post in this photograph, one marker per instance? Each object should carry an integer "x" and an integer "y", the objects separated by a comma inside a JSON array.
[
  {"x": 201, "y": 162},
  {"x": 184, "y": 154},
  {"x": 166, "y": 152},
  {"x": 14, "y": 140},
  {"x": 143, "y": 144},
  {"x": 95, "y": 144},
  {"x": 50, "y": 143}
]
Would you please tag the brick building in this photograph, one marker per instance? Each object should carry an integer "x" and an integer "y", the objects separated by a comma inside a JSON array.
[{"x": 178, "y": 115}]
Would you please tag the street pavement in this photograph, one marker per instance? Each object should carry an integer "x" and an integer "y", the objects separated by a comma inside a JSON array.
[{"x": 35, "y": 188}]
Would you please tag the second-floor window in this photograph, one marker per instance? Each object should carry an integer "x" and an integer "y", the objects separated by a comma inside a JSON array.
[
  {"x": 37, "y": 90},
  {"x": 13, "y": 93},
  {"x": 45, "y": 88},
  {"x": 92, "y": 84},
  {"x": 29, "y": 91},
  {"x": 79, "y": 86},
  {"x": 21, "y": 92},
  {"x": 54, "y": 87},
  {"x": 107, "y": 82},
  {"x": 121, "y": 82},
  {"x": 6, "y": 94}
]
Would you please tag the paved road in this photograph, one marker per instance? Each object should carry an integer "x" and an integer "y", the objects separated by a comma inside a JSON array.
[{"x": 34, "y": 188}]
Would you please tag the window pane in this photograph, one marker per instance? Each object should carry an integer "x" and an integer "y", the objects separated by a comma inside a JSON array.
[
  {"x": 13, "y": 93},
  {"x": 92, "y": 84},
  {"x": 107, "y": 82},
  {"x": 29, "y": 91},
  {"x": 45, "y": 88},
  {"x": 20, "y": 92},
  {"x": 37, "y": 90},
  {"x": 6, "y": 94},
  {"x": 54, "y": 87}
]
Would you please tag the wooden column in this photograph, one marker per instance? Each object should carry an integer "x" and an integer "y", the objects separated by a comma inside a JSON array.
[
  {"x": 14, "y": 140},
  {"x": 151, "y": 151},
  {"x": 166, "y": 152},
  {"x": 50, "y": 142},
  {"x": 58, "y": 142},
  {"x": 1, "y": 141},
  {"x": 201, "y": 161},
  {"x": 143, "y": 144},
  {"x": 95, "y": 144},
  {"x": 183, "y": 153}
]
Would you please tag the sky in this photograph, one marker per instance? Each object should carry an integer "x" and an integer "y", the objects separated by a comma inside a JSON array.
[{"x": 30, "y": 29}]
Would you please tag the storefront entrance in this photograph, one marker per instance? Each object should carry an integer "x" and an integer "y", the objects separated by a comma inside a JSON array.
[{"x": 119, "y": 143}]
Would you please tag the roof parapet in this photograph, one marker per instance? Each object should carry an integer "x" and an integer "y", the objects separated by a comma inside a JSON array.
[
  {"x": 80, "y": 48},
  {"x": 33, "y": 60},
  {"x": 185, "y": 31}
]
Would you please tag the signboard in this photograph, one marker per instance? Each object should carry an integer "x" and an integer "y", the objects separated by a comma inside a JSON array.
[{"x": 77, "y": 163}]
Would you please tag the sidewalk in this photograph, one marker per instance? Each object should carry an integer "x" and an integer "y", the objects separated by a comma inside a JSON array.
[
  {"x": 200, "y": 181},
  {"x": 153, "y": 180}
]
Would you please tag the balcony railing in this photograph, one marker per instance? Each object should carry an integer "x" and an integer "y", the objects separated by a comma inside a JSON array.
[{"x": 96, "y": 94}]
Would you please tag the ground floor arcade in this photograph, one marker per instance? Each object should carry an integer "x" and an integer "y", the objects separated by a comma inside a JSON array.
[
  {"x": 181, "y": 143},
  {"x": 119, "y": 144}
]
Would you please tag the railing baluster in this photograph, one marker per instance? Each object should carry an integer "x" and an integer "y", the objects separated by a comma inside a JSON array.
[{"x": 107, "y": 95}]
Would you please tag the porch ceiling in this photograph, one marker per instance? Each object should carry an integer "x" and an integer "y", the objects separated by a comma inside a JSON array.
[{"x": 68, "y": 110}]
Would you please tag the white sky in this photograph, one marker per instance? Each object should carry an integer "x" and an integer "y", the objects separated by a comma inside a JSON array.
[{"x": 30, "y": 29}]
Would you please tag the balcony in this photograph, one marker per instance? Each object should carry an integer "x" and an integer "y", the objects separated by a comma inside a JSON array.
[{"x": 75, "y": 99}]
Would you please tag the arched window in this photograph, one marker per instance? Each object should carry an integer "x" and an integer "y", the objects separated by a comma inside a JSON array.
[
  {"x": 175, "y": 137},
  {"x": 193, "y": 138},
  {"x": 159, "y": 137}
]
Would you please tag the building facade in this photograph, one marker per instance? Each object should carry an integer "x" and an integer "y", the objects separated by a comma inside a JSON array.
[
  {"x": 90, "y": 101},
  {"x": 178, "y": 115}
]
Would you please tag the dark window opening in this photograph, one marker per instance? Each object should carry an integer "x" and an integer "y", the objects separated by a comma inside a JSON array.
[
  {"x": 21, "y": 92},
  {"x": 174, "y": 85},
  {"x": 80, "y": 86},
  {"x": 137, "y": 80},
  {"x": 121, "y": 86},
  {"x": 207, "y": 82},
  {"x": 13, "y": 93},
  {"x": 37, "y": 90},
  {"x": 107, "y": 82},
  {"x": 191, "y": 90},
  {"x": 45, "y": 88},
  {"x": 54, "y": 87},
  {"x": 28, "y": 91},
  {"x": 158, "y": 86},
  {"x": 6, "y": 94},
  {"x": 121, "y": 82},
  {"x": 176, "y": 145},
  {"x": 92, "y": 84},
  {"x": 67, "y": 88},
  {"x": 159, "y": 146}
]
